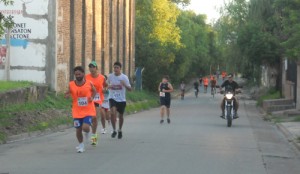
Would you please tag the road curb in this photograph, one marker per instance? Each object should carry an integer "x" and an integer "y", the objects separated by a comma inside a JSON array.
[
  {"x": 291, "y": 138},
  {"x": 34, "y": 134}
]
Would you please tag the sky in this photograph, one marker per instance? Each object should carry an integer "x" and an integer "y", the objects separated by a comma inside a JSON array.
[{"x": 207, "y": 7}]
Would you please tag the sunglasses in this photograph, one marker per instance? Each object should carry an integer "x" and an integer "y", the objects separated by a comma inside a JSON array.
[{"x": 91, "y": 66}]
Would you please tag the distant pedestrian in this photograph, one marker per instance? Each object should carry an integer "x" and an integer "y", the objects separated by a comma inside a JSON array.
[
  {"x": 118, "y": 83},
  {"x": 182, "y": 89},
  {"x": 83, "y": 109},
  {"x": 165, "y": 88},
  {"x": 205, "y": 83}
]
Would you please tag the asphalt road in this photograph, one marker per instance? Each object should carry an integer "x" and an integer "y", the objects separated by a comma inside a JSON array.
[{"x": 196, "y": 141}]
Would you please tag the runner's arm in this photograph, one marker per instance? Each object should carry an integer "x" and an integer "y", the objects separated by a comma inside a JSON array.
[
  {"x": 126, "y": 84},
  {"x": 67, "y": 93},
  {"x": 159, "y": 86},
  {"x": 93, "y": 91},
  {"x": 170, "y": 88}
]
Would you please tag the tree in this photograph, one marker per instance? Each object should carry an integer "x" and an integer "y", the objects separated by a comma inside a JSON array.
[
  {"x": 157, "y": 38},
  {"x": 287, "y": 13},
  {"x": 5, "y": 22}
]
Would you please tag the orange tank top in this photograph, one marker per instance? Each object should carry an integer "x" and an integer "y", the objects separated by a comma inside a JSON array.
[
  {"x": 81, "y": 105},
  {"x": 205, "y": 81},
  {"x": 98, "y": 83}
]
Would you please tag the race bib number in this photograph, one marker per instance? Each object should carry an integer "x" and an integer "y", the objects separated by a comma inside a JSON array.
[
  {"x": 116, "y": 94},
  {"x": 162, "y": 94},
  {"x": 82, "y": 101},
  {"x": 76, "y": 123},
  {"x": 97, "y": 97},
  {"x": 105, "y": 102}
]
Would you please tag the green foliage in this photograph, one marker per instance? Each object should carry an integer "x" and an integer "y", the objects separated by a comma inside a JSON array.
[
  {"x": 140, "y": 100},
  {"x": 136, "y": 96},
  {"x": 157, "y": 39},
  {"x": 52, "y": 101},
  {"x": 271, "y": 94},
  {"x": 288, "y": 17},
  {"x": 10, "y": 85},
  {"x": 172, "y": 42},
  {"x": 137, "y": 101},
  {"x": 249, "y": 34},
  {"x": 296, "y": 118},
  {"x": 6, "y": 22}
]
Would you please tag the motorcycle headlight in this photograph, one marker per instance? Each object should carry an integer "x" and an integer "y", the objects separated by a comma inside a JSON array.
[{"x": 229, "y": 96}]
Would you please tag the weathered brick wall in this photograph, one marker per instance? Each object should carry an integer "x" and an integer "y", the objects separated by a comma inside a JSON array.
[
  {"x": 78, "y": 32},
  {"x": 63, "y": 42},
  {"x": 108, "y": 34}
]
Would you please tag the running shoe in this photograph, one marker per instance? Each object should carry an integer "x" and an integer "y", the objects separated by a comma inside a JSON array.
[
  {"x": 168, "y": 120},
  {"x": 94, "y": 139},
  {"x": 113, "y": 135},
  {"x": 120, "y": 134},
  {"x": 103, "y": 131},
  {"x": 80, "y": 148},
  {"x": 161, "y": 121}
]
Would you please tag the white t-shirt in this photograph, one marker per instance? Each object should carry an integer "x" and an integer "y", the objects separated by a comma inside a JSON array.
[{"x": 117, "y": 91}]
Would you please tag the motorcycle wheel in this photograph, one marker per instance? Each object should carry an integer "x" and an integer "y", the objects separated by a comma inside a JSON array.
[{"x": 229, "y": 120}]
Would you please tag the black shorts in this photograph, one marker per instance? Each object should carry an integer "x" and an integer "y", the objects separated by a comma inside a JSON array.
[
  {"x": 165, "y": 101},
  {"x": 119, "y": 105}
]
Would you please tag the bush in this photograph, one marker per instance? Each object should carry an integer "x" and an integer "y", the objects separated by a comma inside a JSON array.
[{"x": 270, "y": 94}]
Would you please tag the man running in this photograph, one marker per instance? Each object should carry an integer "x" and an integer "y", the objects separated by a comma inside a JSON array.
[
  {"x": 118, "y": 83},
  {"x": 83, "y": 109},
  {"x": 99, "y": 83},
  {"x": 165, "y": 88}
]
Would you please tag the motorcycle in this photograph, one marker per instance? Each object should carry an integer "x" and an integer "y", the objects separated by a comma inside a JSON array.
[{"x": 229, "y": 112}]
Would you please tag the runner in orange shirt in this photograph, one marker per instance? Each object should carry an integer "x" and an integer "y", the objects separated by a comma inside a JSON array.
[
  {"x": 99, "y": 83},
  {"x": 83, "y": 109}
]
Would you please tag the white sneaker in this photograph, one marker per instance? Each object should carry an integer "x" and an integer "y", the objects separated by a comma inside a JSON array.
[
  {"x": 80, "y": 148},
  {"x": 103, "y": 131}
]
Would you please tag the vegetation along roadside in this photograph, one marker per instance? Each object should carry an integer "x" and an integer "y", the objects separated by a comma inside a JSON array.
[{"x": 54, "y": 111}]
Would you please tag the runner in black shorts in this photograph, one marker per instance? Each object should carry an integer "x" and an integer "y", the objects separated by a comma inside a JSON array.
[
  {"x": 119, "y": 105},
  {"x": 118, "y": 83},
  {"x": 165, "y": 88}
]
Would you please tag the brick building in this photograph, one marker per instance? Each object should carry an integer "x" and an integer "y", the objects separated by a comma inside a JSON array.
[{"x": 62, "y": 34}]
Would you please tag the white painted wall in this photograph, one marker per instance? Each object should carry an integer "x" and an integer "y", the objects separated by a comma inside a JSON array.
[{"x": 28, "y": 53}]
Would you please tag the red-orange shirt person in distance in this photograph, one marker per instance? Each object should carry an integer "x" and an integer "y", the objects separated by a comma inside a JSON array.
[
  {"x": 205, "y": 83},
  {"x": 83, "y": 109}
]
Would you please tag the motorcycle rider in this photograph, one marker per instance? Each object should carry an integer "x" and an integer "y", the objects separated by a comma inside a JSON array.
[{"x": 230, "y": 85}]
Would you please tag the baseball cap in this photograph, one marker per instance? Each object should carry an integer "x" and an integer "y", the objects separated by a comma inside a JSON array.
[
  {"x": 93, "y": 63},
  {"x": 230, "y": 75}
]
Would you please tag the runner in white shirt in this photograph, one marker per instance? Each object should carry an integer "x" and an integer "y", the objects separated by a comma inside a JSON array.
[{"x": 118, "y": 83}]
